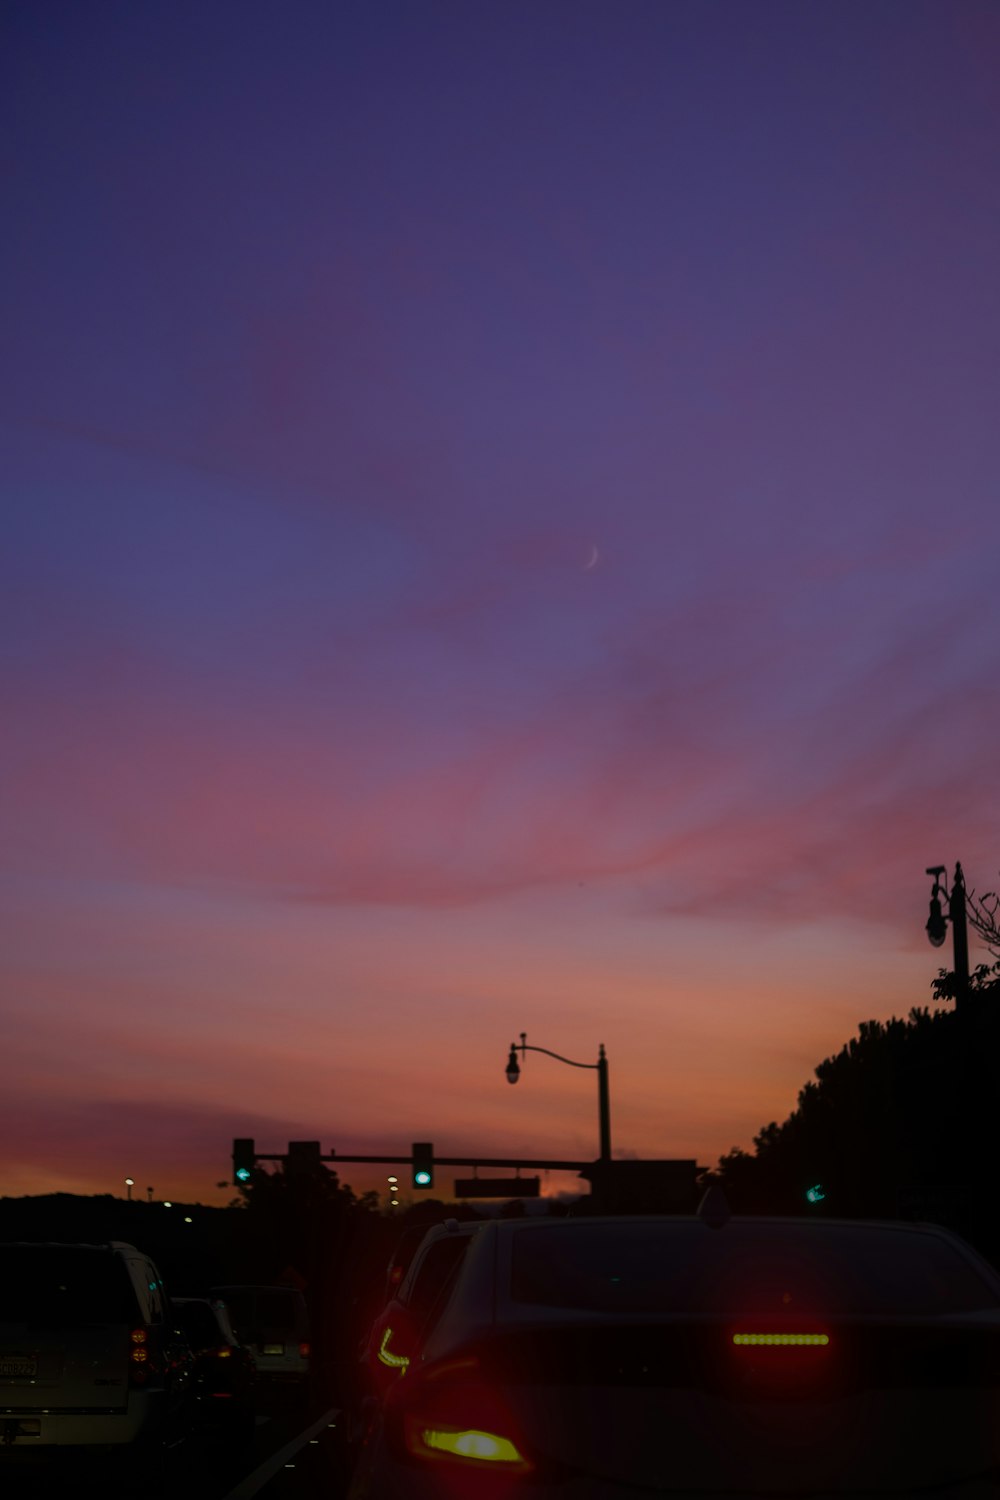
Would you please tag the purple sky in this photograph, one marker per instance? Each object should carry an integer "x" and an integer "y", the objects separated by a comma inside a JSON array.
[{"x": 502, "y": 533}]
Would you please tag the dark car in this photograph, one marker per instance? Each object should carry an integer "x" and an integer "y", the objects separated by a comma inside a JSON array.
[
  {"x": 394, "y": 1338},
  {"x": 699, "y": 1356},
  {"x": 225, "y": 1374}
]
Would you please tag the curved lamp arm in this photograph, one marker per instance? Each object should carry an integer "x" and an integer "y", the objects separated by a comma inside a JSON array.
[{"x": 600, "y": 1067}]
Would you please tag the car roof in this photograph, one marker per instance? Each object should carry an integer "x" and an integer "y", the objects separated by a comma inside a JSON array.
[
  {"x": 119, "y": 1246},
  {"x": 450, "y": 1229},
  {"x": 247, "y": 1286},
  {"x": 733, "y": 1225}
]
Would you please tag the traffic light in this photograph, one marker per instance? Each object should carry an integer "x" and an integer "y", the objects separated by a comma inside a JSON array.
[
  {"x": 423, "y": 1164},
  {"x": 815, "y": 1194},
  {"x": 303, "y": 1158},
  {"x": 244, "y": 1161}
]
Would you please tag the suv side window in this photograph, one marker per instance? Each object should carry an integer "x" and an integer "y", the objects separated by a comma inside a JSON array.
[
  {"x": 435, "y": 1272},
  {"x": 157, "y": 1295},
  {"x": 149, "y": 1293}
]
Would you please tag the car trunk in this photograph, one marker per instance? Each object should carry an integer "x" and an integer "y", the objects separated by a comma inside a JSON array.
[
  {"x": 682, "y": 1407},
  {"x": 76, "y": 1369},
  {"x": 65, "y": 1321}
]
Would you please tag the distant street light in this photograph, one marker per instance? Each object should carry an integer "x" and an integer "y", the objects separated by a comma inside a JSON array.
[
  {"x": 130, "y": 1184},
  {"x": 601, "y": 1066},
  {"x": 937, "y": 925},
  {"x": 149, "y": 1195}
]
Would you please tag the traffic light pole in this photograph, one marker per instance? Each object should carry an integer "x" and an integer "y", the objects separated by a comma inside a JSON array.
[
  {"x": 302, "y": 1156},
  {"x": 444, "y": 1161}
]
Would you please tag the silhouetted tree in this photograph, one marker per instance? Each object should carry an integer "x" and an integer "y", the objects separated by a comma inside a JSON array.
[
  {"x": 984, "y": 983},
  {"x": 984, "y": 917},
  {"x": 904, "y": 1113}
]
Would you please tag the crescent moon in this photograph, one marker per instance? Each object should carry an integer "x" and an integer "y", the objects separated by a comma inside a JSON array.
[{"x": 593, "y": 560}]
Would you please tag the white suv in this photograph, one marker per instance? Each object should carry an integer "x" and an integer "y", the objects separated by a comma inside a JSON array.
[{"x": 89, "y": 1360}]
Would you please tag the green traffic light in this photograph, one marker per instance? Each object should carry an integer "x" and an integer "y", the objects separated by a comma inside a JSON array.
[
  {"x": 244, "y": 1160},
  {"x": 815, "y": 1194},
  {"x": 422, "y": 1160}
]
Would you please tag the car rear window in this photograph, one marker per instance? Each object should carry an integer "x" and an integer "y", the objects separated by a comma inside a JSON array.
[
  {"x": 60, "y": 1286},
  {"x": 640, "y": 1268},
  {"x": 271, "y": 1312},
  {"x": 277, "y": 1312}
]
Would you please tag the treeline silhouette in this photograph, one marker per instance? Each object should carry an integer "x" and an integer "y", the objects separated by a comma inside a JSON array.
[{"x": 900, "y": 1123}]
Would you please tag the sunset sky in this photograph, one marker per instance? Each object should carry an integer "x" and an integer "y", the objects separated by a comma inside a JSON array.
[{"x": 502, "y": 532}]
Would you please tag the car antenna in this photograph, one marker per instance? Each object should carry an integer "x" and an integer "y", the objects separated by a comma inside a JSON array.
[{"x": 714, "y": 1208}]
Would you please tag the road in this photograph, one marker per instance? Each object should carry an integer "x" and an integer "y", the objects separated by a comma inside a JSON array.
[{"x": 294, "y": 1457}]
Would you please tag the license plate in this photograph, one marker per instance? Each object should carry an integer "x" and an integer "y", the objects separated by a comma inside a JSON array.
[
  {"x": 273, "y": 1349},
  {"x": 18, "y": 1367}
]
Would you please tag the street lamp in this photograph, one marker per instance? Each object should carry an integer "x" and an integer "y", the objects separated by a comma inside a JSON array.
[
  {"x": 937, "y": 924},
  {"x": 601, "y": 1066},
  {"x": 130, "y": 1184}
]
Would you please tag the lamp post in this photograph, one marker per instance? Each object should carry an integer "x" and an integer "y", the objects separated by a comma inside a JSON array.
[
  {"x": 937, "y": 925},
  {"x": 601, "y": 1067},
  {"x": 130, "y": 1184}
]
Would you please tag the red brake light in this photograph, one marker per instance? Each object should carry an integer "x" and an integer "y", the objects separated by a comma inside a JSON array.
[
  {"x": 140, "y": 1365},
  {"x": 391, "y": 1358},
  {"x": 464, "y": 1443},
  {"x": 451, "y": 1420},
  {"x": 304, "y": 1349},
  {"x": 778, "y": 1357},
  {"x": 799, "y": 1344},
  {"x": 783, "y": 1339}
]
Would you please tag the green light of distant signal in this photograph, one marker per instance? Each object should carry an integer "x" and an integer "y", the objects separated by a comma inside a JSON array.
[
  {"x": 815, "y": 1194},
  {"x": 243, "y": 1173}
]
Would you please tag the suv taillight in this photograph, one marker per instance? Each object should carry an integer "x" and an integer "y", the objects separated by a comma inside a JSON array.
[
  {"x": 141, "y": 1363},
  {"x": 304, "y": 1349},
  {"x": 138, "y": 1357}
]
